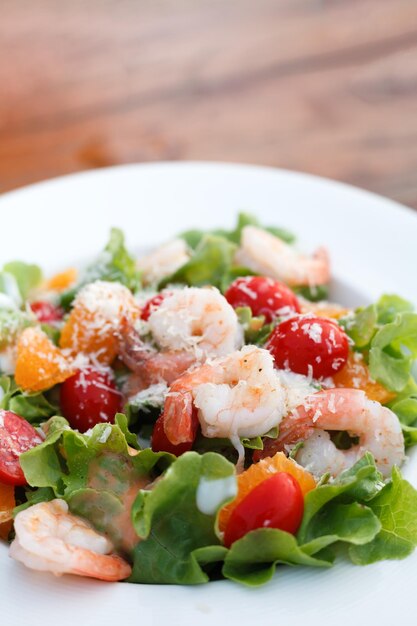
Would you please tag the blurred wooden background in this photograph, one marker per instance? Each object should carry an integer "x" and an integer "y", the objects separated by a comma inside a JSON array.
[{"x": 328, "y": 87}]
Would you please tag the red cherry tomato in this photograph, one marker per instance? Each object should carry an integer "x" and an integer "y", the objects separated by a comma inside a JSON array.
[
  {"x": 88, "y": 398},
  {"x": 299, "y": 343},
  {"x": 47, "y": 312},
  {"x": 152, "y": 304},
  {"x": 16, "y": 436},
  {"x": 264, "y": 296},
  {"x": 276, "y": 502},
  {"x": 161, "y": 443}
]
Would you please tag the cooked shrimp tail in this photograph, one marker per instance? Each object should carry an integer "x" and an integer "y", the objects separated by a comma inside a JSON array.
[{"x": 49, "y": 538}]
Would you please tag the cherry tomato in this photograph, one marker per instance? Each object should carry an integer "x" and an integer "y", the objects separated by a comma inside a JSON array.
[
  {"x": 153, "y": 304},
  {"x": 16, "y": 436},
  {"x": 161, "y": 443},
  {"x": 264, "y": 296},
  {"x": 47, "y": 312},
  {"x": 307, "y": 344},
  {"x": 276, "y": 502},
  {"x": 88, "y": 398}
]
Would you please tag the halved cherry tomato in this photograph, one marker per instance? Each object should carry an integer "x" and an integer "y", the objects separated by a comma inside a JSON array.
[
  {"x": 46, "y": 312},
  {"x": 276, "y": 503},
  {"x": 260, "y": 471},
  {"x": 88, "y": 398},
  {"x": 264, "y": 296},
  {"x": 161, "y": 443},
  {"x": 152, "y": 304},
  {"x": 304, "y": 343},
  {"x": 16, "y": 436}
]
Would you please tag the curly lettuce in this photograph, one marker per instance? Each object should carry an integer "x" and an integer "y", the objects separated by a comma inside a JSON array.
[{"x": 34, "y": 407}]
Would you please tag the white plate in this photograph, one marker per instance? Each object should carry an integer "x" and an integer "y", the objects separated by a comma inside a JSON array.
[{"x": 372, "y": 242}]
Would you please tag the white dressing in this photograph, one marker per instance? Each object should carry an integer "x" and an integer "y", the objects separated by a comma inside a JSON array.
[{"x": 212, "y": 493}]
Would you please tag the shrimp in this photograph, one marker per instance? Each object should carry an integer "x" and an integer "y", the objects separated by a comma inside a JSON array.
[
  {"x": 265, "y": 254},
  {"x": 197, "y": 320},
  {"x": 236, "y": 396},
  {"x": 163, "y": 261},
  {"x": 376, "y": 426},
  {"x": 190, "y": 325},
  {"x": 149, "y": 366},
  {"x": 49, "y": 538}
]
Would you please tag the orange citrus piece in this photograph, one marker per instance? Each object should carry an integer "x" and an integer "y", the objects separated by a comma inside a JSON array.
[
  {"x": 7, "y": 504},
  {"x": 39, "y": 364},
  {"x": 324, "y": 309},
  {"x": 94, "y": 322},
  {"x": 355, "y": 374},
  {"x": 63, "y": 280},
  {"x": 259, "y": 472},
  {"x": 80, "y": 335}
]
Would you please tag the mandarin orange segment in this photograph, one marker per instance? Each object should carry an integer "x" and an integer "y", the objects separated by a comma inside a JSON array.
[
  {"x": 80, "y": 334},
  {"x": 63, "y": 280},
  {"x": 39, "y": 364},
  {"x": 94, "y": 322},
  {"x": 259, "y": 472},
  {"x": 355, "y": 374},
  {"x": 7, "y": 504}
]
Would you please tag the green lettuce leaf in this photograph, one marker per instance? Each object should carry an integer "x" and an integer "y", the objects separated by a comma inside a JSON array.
[
  {"x": 68, "y": 460},
  {"x": 210, "y": 263},
  {"x": 359, "y": 484},
  {"x": 387, "y": 333},
  {"x": 177, "y": 537},
  {"x": 114, "y": 264},
  {"x": 405, "y": 407},
  {"x": 352, "y": 523},
  {"x": 27, "y": 276},
  {"x": 34, "y": 407},
  {"x": 361, "y": 327},
  {"x": 252, "y": 560},
  {"x": 389, "y": 306},
  {"x": 393, "y": 351},
  {"x": 396, "y": 509}
]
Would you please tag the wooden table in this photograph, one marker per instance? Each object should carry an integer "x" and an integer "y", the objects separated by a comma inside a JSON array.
[{"x": 328, "y": 87}]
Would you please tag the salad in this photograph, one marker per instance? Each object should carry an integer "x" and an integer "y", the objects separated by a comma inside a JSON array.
[{"x": 203, "y": 412}]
